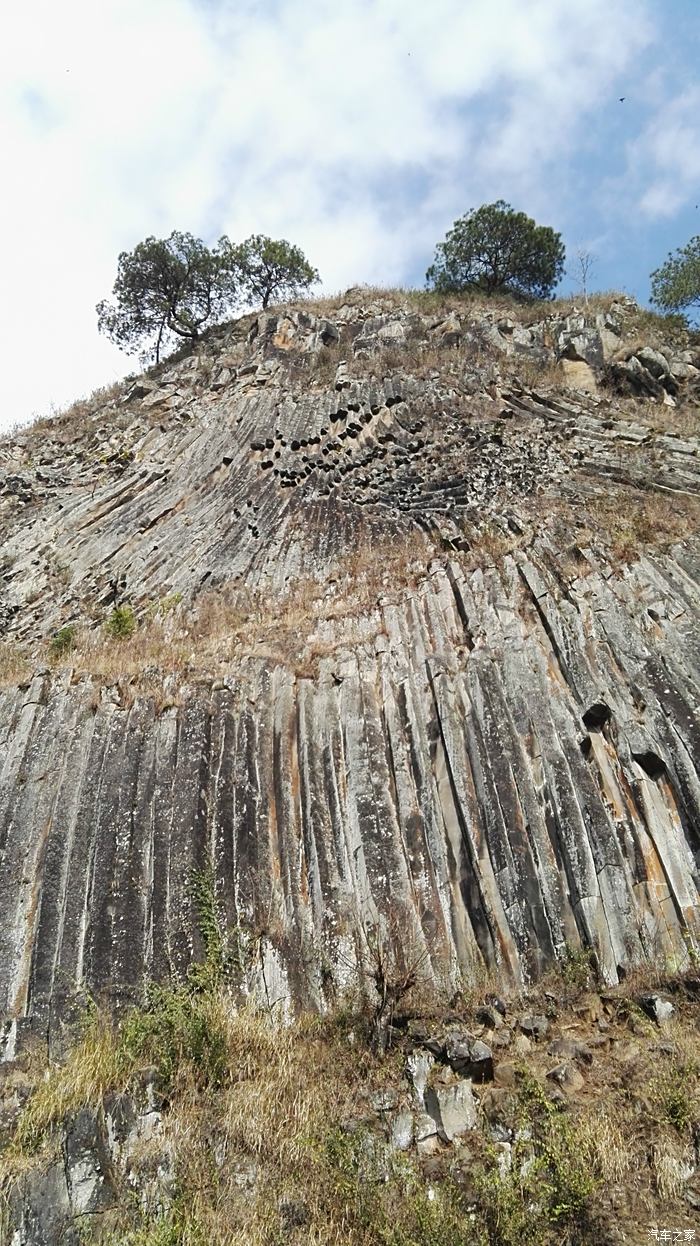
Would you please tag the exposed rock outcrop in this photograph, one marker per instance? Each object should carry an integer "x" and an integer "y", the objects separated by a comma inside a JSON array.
[{"x": 477, "y": 737}]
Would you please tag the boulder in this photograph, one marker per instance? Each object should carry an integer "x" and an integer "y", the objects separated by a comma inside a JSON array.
[
  {"x": 566, "y": 1075},
  {"x": 680, "y": 370},
  {"x": 581, "y": 346},
  {"x": 342, "y": 380},
  {"x": 401, "y": 1131},
  {"x": 327, "y": 332},
  {"x": 570, "y": 1049},
  {"x": 39, "y": 1209},
  {"x": 89, "y": 1172},
  {"x": 156, "y": 398},
  {"x": 489, "y": 1017},
  {"x": 384, "y": 1100},
  {"x": 490, "y": 336},
  {"x": 654, "y": 362},
  {"x": 629, "y": 376},
  {"x": 656, "y": 1007},
  {"x": 222, "y": 379},
  {"x": 470, "y": 1058},
  {"x": 449, "y": 331},
  {"x": 501, "y": 1038},
  {"x": 452, "y": 1107},
  {"x": 140, "y": 390},
  {"x": 426, "y": 1135},
  {"x": 534, "y": 1026},
  {"x": 418, "y": 1067}
]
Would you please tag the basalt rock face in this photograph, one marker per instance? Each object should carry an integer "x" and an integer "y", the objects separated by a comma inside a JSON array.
[{"x": 482, "y": 758}]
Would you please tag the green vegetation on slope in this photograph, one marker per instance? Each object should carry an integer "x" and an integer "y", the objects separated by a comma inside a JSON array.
[{"x": 275, "y": 1133}]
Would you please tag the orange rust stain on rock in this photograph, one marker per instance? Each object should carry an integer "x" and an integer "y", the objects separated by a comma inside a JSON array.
[
  {"x": 652, "y": 862},
  {"x": 274, "y": 839},
  {"x": 284, "y": 337},
  {"x": 554, "y": 671}
]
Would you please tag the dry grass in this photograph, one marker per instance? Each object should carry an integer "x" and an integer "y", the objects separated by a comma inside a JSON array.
[
  {"x": 425, "y": 358},
  {"x": 488, "y": 545},
  {"x": 223, "y": 627},
  {"x": 657, "y": 328},
  {"x": 532, "y": 373},
  {"x": 606, "y": 1143},
  {"x": 220, "y": 630},
  {"x": 683, "y": 419},
  {"x": 672, "y": 1164},
  {"x": 291, "y": 1088},
  {"x": 274, "y": 1137},
  {"x": 323, "y": 366},
  {"x": 15, "y": 667},
  {"x": 598, "y": 302},
  {"x": 76, "y": 418},
  {"x": 629, "y": 521},
  {"x": 622, "y": 523},
  {"x": 277, "y": 1111},
  {"x": 377, "y": 565},
  {"x": 431, "y": 302},
  {"x": 419, "y": 357},
  {"x": 94, "y": 1065}
]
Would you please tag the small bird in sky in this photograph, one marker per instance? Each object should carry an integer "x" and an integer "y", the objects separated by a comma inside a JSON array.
[{"x": 623, "y": 98}]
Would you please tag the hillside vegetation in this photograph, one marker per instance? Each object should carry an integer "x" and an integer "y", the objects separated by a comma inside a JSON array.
[{"x": 569, "y": 1113}]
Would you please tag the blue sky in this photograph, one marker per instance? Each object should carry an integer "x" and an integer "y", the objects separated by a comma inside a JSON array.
[{"x": 359, "y": 131}]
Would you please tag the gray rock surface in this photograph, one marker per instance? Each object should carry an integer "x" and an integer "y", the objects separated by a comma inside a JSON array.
[
  {"x": 470, "y": 1058},
  {"x": 656, "y": 1007},
  {"x": 417, "y": 758},
  {"x": 101, "y": 1153},
  {"x": 453, "y": 1108},
  {"x": 534, "y": 1026}
]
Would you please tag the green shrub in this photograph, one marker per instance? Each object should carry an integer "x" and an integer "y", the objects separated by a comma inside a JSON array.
[
  {"x": 548, "y": 1183},
  {"x": 164, "y": 605},
  {"x": 384, "y": 1194},
  {"x": 186, "y": 1024},
  {"x": 576, "y": 968},
  {"x": 178, "y": 1028},
  {"x": 62, "y": 641},
  {"x": 676, "y": 1094},
  {"x": 121, "y": 623}
]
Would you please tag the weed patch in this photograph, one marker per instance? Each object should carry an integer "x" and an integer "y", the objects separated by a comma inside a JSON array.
[
  {"x": 121, "y": 623},
  {"x": 63, "y": 641},
  {"x": 547, "y": 1183}
]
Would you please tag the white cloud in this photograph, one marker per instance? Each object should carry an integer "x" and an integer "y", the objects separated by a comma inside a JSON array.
[
  {"x": 358, "y": 131},
  {"x": 666, "y": 156}
]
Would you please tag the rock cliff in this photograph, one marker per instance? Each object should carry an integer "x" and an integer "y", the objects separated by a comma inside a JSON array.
[{"x": 416, "y": 656}]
